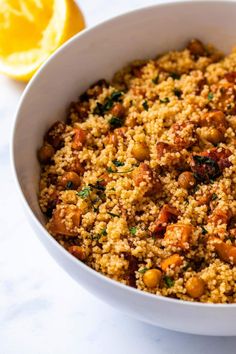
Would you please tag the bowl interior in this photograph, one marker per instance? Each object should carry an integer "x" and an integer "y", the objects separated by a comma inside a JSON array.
[{"x": 97, "y": 53}]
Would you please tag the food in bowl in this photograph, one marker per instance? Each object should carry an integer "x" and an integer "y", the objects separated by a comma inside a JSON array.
[{"x": 139, "y": 183}]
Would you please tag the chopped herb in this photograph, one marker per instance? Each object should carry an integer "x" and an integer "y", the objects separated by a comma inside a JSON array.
[
  {"x": 100, "y": 108},
  {"x": 117, "y": 163},
  {"x": 97, "y": 186},
  {"x": 110, "y": 170},
  {"x": 186, "y": 201},
  {"x": 143, "y": 270},
  {"x": 177, "y": 92},
  {"x": 203, "y": 160},
  {"x": 169, "y": 281},
  {"x": 113, "y": 215},
  {"x": 210, "y": 96},
  {"x": 212, "y": 181},
  {"x": 155, "y": 80},
  {"x": 102, "y": 196},
  {"x": 69, "y": 185},
  {"x": 186, "y": 266},
  {"x": 165, "y": 100},
  {"x": 115, "y": 122},
  {"x": 107, "y": 105},
  {"x": 96, "y": 237},
  {"x": 133, "y": 230},
  {"x": 104, "y": 232},
  {"x": 175, "y": 76},
  {"x": 214, "y": 196},
  {"x": 145, "y": 105},
  {"x": 204, "y": 231},
  {"x": 115, "y": 96},
  {"x": 84, "y": 193},
  {"x": 100, "y": 180}
]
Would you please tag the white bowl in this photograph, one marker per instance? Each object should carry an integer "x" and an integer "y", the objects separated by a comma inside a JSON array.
[{"x": 97, "y": 53}]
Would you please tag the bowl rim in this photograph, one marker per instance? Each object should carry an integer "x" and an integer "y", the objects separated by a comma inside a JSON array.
[{"x": 46, "y": 234}]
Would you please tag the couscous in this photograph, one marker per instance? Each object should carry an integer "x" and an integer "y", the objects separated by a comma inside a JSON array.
[{"x": 139, "y": 183}]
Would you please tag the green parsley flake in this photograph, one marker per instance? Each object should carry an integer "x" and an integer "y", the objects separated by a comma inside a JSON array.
[
  {"x": 104, "y": 232},
  {"x": 84, "y": 193},
  {"x": 165, "y": 100},
  {"x": 110, "y": 170},
  {"x": 133, "y": 230},
  {"x": 97, "y": 186},
  {"x": 145, "y": 105},
  {"x": 115, "y": 122},
  {"x": 143, "y": 270},
  {"x": 214, "y": 196},
  {"x": 169, "y": 281},
  {"x": 175, "y": 76},
  {"x": 210, "y": 96},
  {"x": 177, "y": 92},
  {"x": 117, "y": 163},
  {"x": 113, "y": 215},
  {"x": 155, "y": 80},
  {"x": 101, "y": 109},
  {"x": 204, "y": 231}
]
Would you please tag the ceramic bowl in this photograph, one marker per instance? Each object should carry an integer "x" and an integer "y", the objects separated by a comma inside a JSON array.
[{"x": 97, "y": 53}]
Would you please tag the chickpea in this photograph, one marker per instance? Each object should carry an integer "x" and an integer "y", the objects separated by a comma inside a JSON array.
[
  {"x": 140, "y": 151},
  {"x": 70, "y": 180},
  {"x": 152, "y": 278},
  {"x": 118, "y": 110},
  {"x": 45, "y": 153},
  {"x": 77, "y": 252},
  {"x": 79, "y": 139},
  {"x": 186, "y": 180},
  {"x": 195, "y": 287},
  {"x": 214, "y": 118},
  {"x": 211, "y": 134}
]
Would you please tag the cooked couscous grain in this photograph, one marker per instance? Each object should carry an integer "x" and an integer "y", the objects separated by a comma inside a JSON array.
[{"x": 140, "y": 182}]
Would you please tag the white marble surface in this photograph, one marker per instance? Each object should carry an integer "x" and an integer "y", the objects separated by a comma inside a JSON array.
[{"x": 43, "y": 311}]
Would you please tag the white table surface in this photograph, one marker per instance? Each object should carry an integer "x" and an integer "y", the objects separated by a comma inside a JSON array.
[{"x": 42, "y": 310}]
